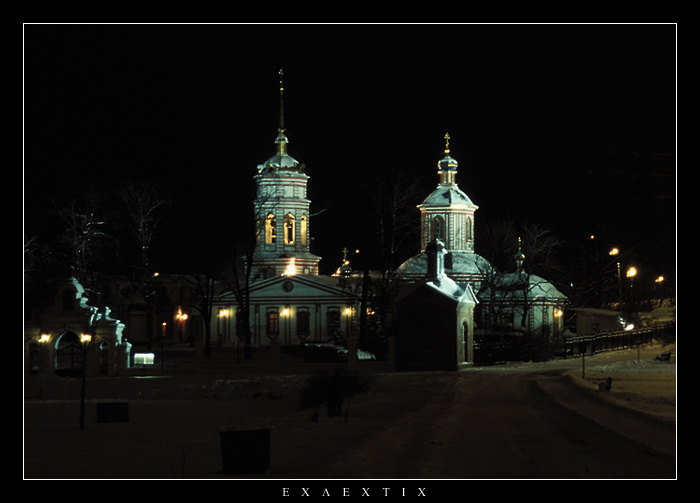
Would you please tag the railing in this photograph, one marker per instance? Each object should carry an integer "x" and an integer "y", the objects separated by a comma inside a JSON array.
[{"x": 614, "y": 340}]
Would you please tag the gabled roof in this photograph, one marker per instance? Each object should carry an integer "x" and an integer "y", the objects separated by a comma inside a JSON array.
[{"x": 296, "y": 288}]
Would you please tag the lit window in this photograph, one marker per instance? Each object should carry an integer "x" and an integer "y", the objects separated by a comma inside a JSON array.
[
  {"x": 289, "y": 229},
  {"x": 270, "y": 229},
  {"x": 303, "y": 229}
]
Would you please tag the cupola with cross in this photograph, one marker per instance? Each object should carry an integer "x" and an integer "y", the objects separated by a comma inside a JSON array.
[{"x": 447, "y": 213}]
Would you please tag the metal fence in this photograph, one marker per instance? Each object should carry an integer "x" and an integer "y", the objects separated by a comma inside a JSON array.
[{"x": 600, "y": 342}]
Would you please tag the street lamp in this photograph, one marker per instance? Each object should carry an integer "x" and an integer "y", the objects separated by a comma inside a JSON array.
[{"x": 85, "y": 339}]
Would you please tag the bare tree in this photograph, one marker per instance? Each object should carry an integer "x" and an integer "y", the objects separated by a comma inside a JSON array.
[
  {"x": 143, "y": 205},
  {"x": 87, "y": 241},
  {"x": 393, "y": 218}
]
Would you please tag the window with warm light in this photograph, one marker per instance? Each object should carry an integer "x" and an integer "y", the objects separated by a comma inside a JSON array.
[
  {"x": 270, "y": 229},
  {"x": 303, "y": 230},
  {"x": 289, "y": 229}
]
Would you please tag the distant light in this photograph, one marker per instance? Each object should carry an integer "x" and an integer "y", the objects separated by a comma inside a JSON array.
[
  {"x": 285, "y": 311},
  {"x": 44, "y": 338},
  {"x": 85, "y": 338},
  {"x": 629, "y": 327},
  {"x": 348, "y": 311},
  {"x": 660, "y": 279},
  {"x": 631, "y": 272},
  {"x": 558, "y": 313},
  {"x": 223, "y": 313},
  {"x": 144, "y": 358},
  {"x": 614, "y": 251}
]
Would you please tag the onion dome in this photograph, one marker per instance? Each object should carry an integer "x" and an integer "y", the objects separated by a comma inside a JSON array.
[{"x": 447, "y": 166}]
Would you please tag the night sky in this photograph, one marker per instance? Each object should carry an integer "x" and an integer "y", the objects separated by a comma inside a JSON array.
[{"x": 569, "y": 126}]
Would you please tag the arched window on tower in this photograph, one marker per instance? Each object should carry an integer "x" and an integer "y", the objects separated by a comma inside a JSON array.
[
  {"x": 270, "y": 229},
  {"x": 438, "y": 229},
  {"x": 289, "y": 229},
  {"x": 470, "y": 229},
  {"x": 303, "y": 230}
]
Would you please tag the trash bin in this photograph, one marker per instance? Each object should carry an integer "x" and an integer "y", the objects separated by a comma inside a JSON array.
[{"x": 245, "y": 451}]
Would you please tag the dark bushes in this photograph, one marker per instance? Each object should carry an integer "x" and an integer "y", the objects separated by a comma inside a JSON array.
[{"x": 331, "y": 388}]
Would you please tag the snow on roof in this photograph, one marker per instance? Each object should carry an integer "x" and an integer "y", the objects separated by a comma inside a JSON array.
[
  {"x": 513, "y": 285},
  {"x": 445, "y": 195},
  {"x": 457, "y": 262}
]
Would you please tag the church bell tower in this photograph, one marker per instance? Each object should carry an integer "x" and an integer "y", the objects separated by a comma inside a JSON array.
[{"x": 282, "y": 213}]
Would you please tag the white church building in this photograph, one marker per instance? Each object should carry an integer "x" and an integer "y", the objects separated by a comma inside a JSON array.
[
  {"x": 290, "y": 302},
  {"x": 514, "y": 300}
]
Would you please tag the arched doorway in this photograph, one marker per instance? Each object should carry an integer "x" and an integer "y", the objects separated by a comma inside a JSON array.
[{"x": 69, "y": 355}]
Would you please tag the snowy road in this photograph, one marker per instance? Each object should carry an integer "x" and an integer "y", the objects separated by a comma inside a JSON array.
[
  {"x": 498, "y": 425},
  {"x": 476, "y": 424}
]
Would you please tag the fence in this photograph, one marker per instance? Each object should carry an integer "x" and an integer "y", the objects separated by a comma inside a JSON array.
[
  {"x": 620, "y": 339},
  {"x": 499, "y": 348}
]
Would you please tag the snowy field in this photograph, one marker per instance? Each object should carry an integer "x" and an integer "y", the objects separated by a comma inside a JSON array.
[
  {"x": 639, "y": 380},
  {"x": 174, "y": 424}
]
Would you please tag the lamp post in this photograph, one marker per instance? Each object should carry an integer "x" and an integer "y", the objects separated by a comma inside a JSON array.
[
  {"x": 614, "y": 252},
  {"x": 85, "y": 340}
]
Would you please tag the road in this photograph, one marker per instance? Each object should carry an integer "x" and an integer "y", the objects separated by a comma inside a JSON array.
[
  {"x": 491, "y": 424},
  {"x": 474, "y": 424}
]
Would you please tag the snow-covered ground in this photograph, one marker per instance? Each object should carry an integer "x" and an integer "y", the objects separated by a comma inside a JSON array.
[
  {"x": 174, "y": 424},
  {"x": 639, "y": 380}
]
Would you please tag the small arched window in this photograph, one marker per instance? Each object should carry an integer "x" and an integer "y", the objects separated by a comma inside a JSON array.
[{"x": 438, "y": 228}]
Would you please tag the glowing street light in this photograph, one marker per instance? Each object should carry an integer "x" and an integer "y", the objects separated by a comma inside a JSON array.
[
  {"x": 614, "y": 251},
  {"x": 631, "y": 272}
]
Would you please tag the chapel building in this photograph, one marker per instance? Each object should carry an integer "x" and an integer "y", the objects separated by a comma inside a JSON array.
[{"x": 448, "y": 215}]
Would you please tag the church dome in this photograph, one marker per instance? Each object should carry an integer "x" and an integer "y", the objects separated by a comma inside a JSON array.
[
  {"x": 447, "y": 163},
  {"x": 281, "y": 161}
]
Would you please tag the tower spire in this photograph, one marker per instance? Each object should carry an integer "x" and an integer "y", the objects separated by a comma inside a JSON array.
[
  {"x": 281, "y": 74},
  {"x": 281, "y": 140}
]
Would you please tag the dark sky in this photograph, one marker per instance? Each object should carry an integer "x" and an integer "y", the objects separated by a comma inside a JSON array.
[{"x": 570, "y": 126}]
